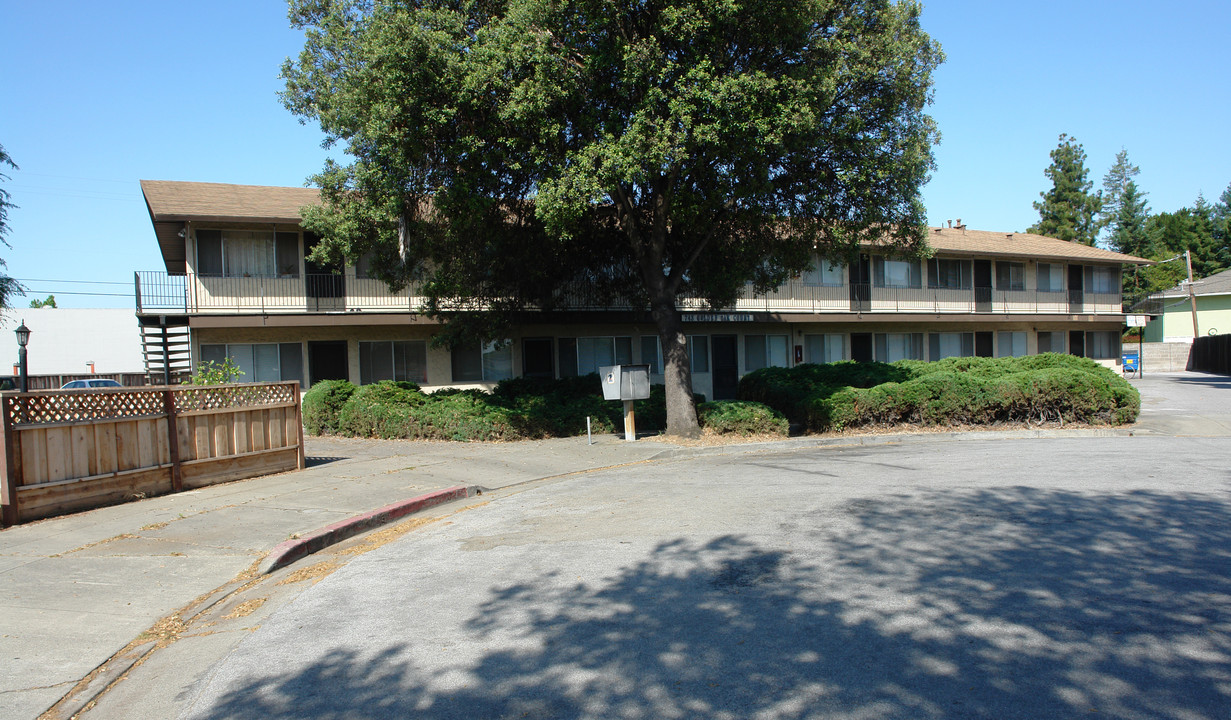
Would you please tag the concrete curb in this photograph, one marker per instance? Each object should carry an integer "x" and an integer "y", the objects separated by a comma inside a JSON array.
[
  {"x": 296, "y": 548},
  {"x": 899, "y": 439}
]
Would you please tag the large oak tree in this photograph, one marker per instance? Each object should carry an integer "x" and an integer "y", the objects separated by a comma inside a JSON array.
[{"x": 544, "y": 154}]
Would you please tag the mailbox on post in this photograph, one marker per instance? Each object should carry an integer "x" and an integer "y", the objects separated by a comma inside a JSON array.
[{"x": 626, "y": 383}]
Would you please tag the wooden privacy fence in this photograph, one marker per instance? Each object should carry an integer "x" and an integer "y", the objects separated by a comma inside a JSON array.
[
  {"x": 1212, "y": 353},
  {"x": 71, "y": 450}
]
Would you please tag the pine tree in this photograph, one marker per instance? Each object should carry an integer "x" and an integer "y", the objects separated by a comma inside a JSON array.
[
  {"x": 1128, "y": 224},
  {"x": 1068, "y": 210},
  {"x": 1115, "y": 183}
]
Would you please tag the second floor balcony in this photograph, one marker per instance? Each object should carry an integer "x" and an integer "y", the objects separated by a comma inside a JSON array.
[{"x": 161, "y": 292}]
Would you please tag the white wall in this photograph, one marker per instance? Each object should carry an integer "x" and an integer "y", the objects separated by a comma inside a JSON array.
[{"x": 62, "y": 340}]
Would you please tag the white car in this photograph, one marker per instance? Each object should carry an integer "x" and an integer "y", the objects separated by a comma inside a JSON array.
[{"x": 99, "y": 383}]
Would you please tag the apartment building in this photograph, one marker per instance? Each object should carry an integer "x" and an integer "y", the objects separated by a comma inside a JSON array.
[{"x": 236, "y": 283}]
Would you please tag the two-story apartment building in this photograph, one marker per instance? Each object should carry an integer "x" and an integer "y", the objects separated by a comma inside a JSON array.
[{"x": 236, "y": 276}]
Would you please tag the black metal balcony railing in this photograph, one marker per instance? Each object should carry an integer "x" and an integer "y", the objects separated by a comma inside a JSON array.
[{"x": 192, "y": 294}]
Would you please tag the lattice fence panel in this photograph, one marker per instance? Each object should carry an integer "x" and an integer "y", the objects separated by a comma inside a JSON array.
[
  {"x": 45, "y": 408},
  {"x": 223, "y": 397}
]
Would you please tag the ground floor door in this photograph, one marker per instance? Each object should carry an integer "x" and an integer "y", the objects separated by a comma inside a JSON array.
[
  {"x": 983, "y": 344},
  {"x": 537, "y": 358},
  {"x": 725, "y": 356},
  {"x": 861, "y": 347},
  {"x": 1077, "y": 343},
  {"x": 327, "y": 361}
]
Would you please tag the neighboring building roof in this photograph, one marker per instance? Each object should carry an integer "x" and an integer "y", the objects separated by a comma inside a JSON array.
[
  {"x": 62, "y": 340},
  {"x": 1216, "y": 284},
  {"x": 173, "y": 203},
  {"x": 960, "y": 241}
]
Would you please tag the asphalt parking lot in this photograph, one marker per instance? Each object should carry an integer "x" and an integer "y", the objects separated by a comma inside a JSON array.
[{"x": 599, "y": 582}]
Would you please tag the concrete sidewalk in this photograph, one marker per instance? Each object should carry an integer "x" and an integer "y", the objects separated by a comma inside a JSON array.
[{"x": 79, "y": 588}]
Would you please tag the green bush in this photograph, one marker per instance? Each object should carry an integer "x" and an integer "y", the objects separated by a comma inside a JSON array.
[
  {"x": 969, "y": 390},
  {"x": 379, "y": 410},
  {"x": 737, "y": 417},
  {"x": 322, "y": 404},
  {"x": 461, "y": 415}
]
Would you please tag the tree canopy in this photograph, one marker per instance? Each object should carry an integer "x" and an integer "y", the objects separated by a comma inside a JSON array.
[
  {"x": 1068, "y": 210},
  {"x": 8, "y": 286},
  {"x": 536, "y": 154}
]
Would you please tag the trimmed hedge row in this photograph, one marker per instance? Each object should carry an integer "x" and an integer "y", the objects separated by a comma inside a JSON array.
[
  {"x": 517, "y": 409},
  {"x": 970, "y": 391}
]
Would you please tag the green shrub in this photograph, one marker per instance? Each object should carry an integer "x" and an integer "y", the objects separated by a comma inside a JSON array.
[
  {"x": 461, "y": 415},
  {"x": 966, "y": 390},
  {"x": 379, "y": 409},
  {"x": 737, "y": 417},
  {"x": 322, "y": 404}
]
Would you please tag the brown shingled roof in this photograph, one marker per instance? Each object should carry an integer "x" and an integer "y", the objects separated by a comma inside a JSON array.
[
  {"x": 178, "y": 201},
  {"x": 171, "y": 203},
  {"x": 957, "y": 241}
]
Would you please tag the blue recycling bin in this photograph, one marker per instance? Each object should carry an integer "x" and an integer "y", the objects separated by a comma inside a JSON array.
[{"x": 1130, "y": 360}]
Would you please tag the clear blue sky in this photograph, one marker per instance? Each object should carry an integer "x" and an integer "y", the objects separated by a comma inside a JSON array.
[{"x": 97, "y": 96}]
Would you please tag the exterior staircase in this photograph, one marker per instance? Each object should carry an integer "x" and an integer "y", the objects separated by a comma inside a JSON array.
[{"x": 166, "y": 347}]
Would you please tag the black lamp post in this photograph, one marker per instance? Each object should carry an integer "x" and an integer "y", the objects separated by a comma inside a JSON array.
[{"x": 23, "y": 337}]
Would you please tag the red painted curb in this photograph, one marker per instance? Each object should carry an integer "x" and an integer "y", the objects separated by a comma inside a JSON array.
[{"x": 291, "y": 550}]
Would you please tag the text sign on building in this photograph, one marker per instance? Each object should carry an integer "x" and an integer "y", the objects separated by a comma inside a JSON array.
[{"x": 718, "y": 317}]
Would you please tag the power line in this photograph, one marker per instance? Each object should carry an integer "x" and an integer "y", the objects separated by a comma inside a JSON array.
[
  {"x": 69, "y": 292},
  {"x": 78, "y": 282}
]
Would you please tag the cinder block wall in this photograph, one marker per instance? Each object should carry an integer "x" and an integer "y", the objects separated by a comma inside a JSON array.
[{"x": 1162, "y": 356}]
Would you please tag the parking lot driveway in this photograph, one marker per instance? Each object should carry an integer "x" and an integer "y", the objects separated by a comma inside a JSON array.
[
  {"x": 1185, "y": 404},
  {"x": 1012, "y": 579}
]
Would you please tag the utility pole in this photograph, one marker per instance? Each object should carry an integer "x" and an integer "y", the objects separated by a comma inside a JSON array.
[{"x": 1192, "y": 296}]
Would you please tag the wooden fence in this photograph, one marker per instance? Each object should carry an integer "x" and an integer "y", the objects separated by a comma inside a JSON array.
[
  {"x": 71, "y": 450},
  {"x": 1212, "y": 354}
]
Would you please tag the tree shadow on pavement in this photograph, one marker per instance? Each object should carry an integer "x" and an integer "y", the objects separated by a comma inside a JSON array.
[{"x": 1014, "y": 603}]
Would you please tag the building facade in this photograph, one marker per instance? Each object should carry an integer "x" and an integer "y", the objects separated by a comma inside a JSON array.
[
  {"x": 237, "y": 279},
  {"x": 1172, "y": 310}
]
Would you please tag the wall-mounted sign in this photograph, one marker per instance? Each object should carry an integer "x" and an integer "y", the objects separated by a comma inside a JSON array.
[{"x": 718, "y": 317}]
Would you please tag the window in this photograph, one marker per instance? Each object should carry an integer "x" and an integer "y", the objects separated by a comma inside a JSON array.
[
  {"x": 949, "y": 274},
  {"x": 582, "y": 356},
  {"x": 652, "y": 353},
  {"x": 259, "y": 362},
  {"x": 825, "y": 274},
  {"x": 825, "y": 348},
  {"x": 1103, "y": 345},
  {"x": 489, "y": 362},
  {"x": 1102, "y": 280},
  {"x": 1051, "y": 342},
  {"x": 943, "y": 345},
  {"x": 699, "y": 353},
  {"x": 1010, "y": 344},
  {"x": 895, "y": 273},
  {"x": 1051, "y": 277},
  {"x": 762, "y": 351},
  {"x": 393, "y": 360},
  {"x": 1010, "y": 276},
  {"x": 898, "y": 346},
  {"x": 247, "y": 253}
]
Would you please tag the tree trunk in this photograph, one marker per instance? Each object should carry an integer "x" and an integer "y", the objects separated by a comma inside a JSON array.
[{"x": 677, "y": 373}]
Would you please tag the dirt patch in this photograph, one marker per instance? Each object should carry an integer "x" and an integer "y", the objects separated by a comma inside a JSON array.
[
  {"x": 312, "y": 572},
  {"x": 245, "y": 608}
]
